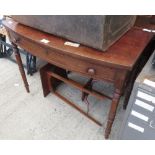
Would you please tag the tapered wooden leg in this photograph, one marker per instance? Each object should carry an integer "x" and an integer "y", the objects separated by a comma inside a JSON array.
[
  {"x": 112, "y": 112},
  {"x": 119, "y": 85},
  {"x": 20, "y": 65}
]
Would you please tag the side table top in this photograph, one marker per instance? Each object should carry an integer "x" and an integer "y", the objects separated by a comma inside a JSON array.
[{"x": 122, "y": 54}]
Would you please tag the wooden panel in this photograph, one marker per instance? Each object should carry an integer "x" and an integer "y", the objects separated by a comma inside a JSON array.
[{"x": 65, "y": 61}]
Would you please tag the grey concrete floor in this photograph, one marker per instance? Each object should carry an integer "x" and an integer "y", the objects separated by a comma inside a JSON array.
[{"x": 31, "y": 116}]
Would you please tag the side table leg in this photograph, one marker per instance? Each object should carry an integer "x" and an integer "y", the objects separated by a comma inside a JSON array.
[
  {"x": 112, "y": 112},
  {"x": 20, "y": 65}
]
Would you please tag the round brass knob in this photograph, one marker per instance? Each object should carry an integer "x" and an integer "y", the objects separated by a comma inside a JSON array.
[{"x": 91, "y": 71}]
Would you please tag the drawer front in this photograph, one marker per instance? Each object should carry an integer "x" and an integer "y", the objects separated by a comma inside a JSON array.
[{"x": 63, "y": 60}]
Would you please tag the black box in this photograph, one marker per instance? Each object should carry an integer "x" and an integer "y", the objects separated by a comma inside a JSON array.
[{"x": 97, "y": 31}]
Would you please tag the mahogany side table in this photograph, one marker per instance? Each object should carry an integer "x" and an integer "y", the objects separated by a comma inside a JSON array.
[{"x": 115, "y": 65}]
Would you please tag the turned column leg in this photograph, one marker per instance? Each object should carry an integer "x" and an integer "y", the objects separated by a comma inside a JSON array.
[
  {"x": 112, "y": 112},
  {"x": 20, "y": 65},
  {"x": 119, "y": 84}
]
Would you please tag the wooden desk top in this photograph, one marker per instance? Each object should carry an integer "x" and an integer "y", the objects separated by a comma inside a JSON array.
[
  {"x": 144, "y": 22},
  {"x": 123, "y": 54}
]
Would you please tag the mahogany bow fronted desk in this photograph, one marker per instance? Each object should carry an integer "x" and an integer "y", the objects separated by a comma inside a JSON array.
[{"x": 116, "y": 65}]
